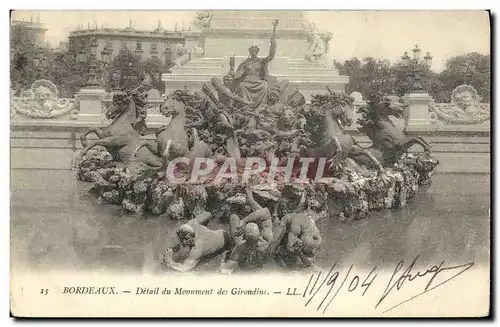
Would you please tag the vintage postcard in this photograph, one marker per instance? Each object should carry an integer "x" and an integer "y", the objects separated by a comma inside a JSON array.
[{"x": 277, "y": 163}]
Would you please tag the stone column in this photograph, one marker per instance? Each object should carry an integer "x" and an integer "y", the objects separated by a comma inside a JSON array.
[
  {"x": 418, "y": 110},
  {"x": 91, "y": 108}
]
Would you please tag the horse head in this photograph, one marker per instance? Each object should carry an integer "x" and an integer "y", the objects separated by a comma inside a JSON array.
[
  {"x": 380, "y": 105},
  {"x": 337, "y": 106},
  {"x": 186, "y": 103},
  {"x": 173, "y": 105},
  {"x": 122, "y": 104}
]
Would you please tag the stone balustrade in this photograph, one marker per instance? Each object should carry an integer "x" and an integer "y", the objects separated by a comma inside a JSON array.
[
  {"x": 465, "y": 112},
  {"x": 459, "y": 132}
]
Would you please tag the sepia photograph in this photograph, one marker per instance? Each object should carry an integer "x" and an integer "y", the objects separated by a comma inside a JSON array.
[{"x": 250, "y": 163}]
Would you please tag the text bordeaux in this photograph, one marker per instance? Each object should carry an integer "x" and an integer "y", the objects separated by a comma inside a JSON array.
[{"x": 105, "y": 290}]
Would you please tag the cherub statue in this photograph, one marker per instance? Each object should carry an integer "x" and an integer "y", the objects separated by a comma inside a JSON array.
[
  {"x": 44, "y": 98},
  {"x": 291, "y": 136},
  {"x": 42, "y": 101},
  {"x": 465, "y": 107},
  {"x": 465, "y": 97}
]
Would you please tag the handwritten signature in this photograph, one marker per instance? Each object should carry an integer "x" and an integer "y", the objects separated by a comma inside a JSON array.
[{"x": 353, "y": 282}]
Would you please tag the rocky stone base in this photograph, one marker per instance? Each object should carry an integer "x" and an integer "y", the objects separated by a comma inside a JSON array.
[{"x": 350, "y": 195}]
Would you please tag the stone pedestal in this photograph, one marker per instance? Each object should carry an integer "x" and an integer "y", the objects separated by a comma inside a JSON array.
[
  {"x": 311, "y": 78},
  {"x": 418, "y": 110},
  {"x": 233, "y": 32},
  {"x": 91, "y": 108}
]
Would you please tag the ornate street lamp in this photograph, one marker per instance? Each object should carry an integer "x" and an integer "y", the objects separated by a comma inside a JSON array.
[
  {"x": 92, "y": 81},
  {"x": 106, "y": 56},
  {"x": 428, "y": 59},
  {"x": 168, "y": 57},
  {"x": 406, "y": 58},
  {"x": 130, "y": 76},
  {"x": 36, "y": 60},
  {"x": 81, "y": 56},
  {"x": 415, "y": 66},
  {"x": 116, "y": 77},
  {"x": 106, "y": 60},
  {"x": 416, "y": 52},
  {"x": 93, "y": 47},
  {"x": 40, "y": 61}
]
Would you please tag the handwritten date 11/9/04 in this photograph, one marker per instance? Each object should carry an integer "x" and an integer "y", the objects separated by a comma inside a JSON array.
[
  {"x": 400, "y": 277},
  {"x": 351, "y": 282}
]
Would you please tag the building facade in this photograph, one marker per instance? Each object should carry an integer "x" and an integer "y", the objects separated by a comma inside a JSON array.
[
  {"x": 36, "y": 29},
  {"x": 158, "y": 43}
]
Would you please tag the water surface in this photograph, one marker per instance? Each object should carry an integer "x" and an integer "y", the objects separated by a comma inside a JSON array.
[{"x": 56, "y": 223}]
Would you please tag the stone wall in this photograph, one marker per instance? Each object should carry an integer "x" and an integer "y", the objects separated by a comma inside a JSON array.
[
  {"x": 50, "y": 143},
  {"x": 46, "y": 145}
]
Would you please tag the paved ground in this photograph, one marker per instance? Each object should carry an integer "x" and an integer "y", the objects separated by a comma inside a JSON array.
[{"x": 55, "y": 223}]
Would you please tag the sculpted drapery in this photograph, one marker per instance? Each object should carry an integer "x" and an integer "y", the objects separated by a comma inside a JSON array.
[{"x": 252, "y": 74}]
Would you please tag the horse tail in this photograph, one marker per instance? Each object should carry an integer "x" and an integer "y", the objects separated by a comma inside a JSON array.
[
  {"x": 358, "y": 144},
  {"x": 424, "y": 141},
  {"x": 136, "y": 151},
  {"x": 196, "y": 137},
  {"x": 164, "y": 155}
]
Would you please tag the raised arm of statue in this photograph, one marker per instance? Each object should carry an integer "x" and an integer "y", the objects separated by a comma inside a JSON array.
[
  {"x": 272, "y": 48},
  {"x": 231, "y": 63}
]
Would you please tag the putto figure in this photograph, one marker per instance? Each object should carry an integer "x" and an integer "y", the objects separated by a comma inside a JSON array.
[
  {"x": 465, "y": 107},
  {"x": 252, "y": 235},
  {"x": 42, "y": 102},
  {"x": 297, "y": 241},
  {"x": 195, "y": 242}
]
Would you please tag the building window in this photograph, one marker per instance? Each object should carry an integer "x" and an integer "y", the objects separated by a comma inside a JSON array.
[
  {"x": 138, "y": 46},
  {"x": 154, "y": 50},
  {"x": 123, "y": 47}
]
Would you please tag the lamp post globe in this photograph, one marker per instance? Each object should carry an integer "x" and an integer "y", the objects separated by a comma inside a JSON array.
[
  {"x": 428, "y": 59},
  {"x": 416, "y": 52}
]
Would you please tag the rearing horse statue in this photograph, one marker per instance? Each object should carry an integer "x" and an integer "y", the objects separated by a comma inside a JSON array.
[
  {"x": 389, "y": 142},
  {"x": 326, "y": 117},
  {"x": 172, "y": 139},
  {"x": 120, "y": 138},
  {"x": 113, "y": 113}
]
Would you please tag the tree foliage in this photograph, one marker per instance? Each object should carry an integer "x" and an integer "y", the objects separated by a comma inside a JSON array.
[
  {"x": 23, "y": 51},
  {"x": 125, "y": 71},
  {"x": 367, "y": 75},
  {"x": 372, "y": 75},
  {"x": 473, "y": 69},
  {"x": 68, "y": 74},
  {"x": 154, "y": 68}
]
